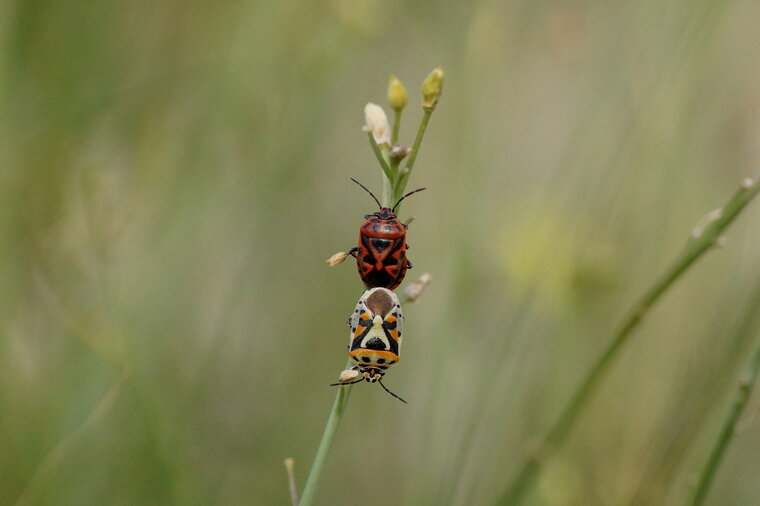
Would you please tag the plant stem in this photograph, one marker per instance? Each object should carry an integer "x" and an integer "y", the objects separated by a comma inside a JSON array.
[
  {"x": 727, "y": 432},
  {"x": 684, "y": 424},
  {"x": 338, "y": 408},
  {"x": 396, "y": 126},
  {"x": 387, "y": 191},
  {"x": 387, "y": 184},
  {"x": 380, "y": 158},
  {"x": 400, "y": 185},
  {"x": 704, "y": 236}
]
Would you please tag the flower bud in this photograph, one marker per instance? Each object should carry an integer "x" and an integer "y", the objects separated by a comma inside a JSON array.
[
  {"x": 414, "y": 290},
  {"x": 348, "y": 375},
  {"x": 397, "y": 95},
  {"x": 399, "y": 152},
  {"x": 376, "y": 121},
  {"x": 337, "y": 258},
  {"x": 432, "y": 88}
]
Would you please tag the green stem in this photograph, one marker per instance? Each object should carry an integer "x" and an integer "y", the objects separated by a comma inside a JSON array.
[
  {"x": 396, "y": 126},
  {"x": 387, "y": 190},
  {"x": 380, "y": 158},
  {"x": 702, "y": 239},
  {"x": 339, "y": 407},
  {"x": 400, "y": 185},
  {"x": 387, "y": 183},
  {"x": 727, "y": 432}
]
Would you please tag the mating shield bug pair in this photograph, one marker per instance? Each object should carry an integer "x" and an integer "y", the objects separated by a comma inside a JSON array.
[{"x": 377, "y": 321}]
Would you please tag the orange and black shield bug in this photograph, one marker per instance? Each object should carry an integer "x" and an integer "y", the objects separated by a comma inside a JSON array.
[
  {"x": 381, "y": 253},
  {"x": 375, "y": 336}
]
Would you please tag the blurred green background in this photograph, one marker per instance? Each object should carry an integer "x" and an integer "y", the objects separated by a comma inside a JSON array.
[{"x": 173, "y": 175}]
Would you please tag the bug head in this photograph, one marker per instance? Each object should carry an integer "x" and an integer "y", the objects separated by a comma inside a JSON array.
[
  {"x": 385, "y": 213},
  {"x": 372, "y": 374},
  {"x": 375, "y": 375}
]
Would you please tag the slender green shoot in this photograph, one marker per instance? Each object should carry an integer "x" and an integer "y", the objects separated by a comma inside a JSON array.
[
  {"x": 746, "y": 383},
  {"x": 380, "y": 158},
  {"x": 400, "y": 185},
  {"x": 397, "y": 99},
  {"x": 387, "y": 191},
  {"x": 396, "y": 126},
  {"x": 432, "y": 89},
  {"x": 393, "y": 184},
  {"x": 328, "y": 436},
  {"x": 706, "y": 235}
]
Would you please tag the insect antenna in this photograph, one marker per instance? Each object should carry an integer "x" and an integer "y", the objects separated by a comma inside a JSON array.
[
  {"x": 393, "y": 209},
  {"x": 367, "y": 190},
  {"x": 339, "y": 384},
  {"x": 394, "y": 395}
]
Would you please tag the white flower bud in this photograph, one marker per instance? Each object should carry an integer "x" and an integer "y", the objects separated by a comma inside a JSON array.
[
  {"x": 376, "y": 121},
  {"x": 348, "y": 375},
  {"x": 414, "y": 290}
]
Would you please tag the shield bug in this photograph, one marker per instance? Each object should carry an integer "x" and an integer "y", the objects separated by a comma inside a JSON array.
[
  {"x": 381, "y": 253},
  {"x": 375, "y": 336}
]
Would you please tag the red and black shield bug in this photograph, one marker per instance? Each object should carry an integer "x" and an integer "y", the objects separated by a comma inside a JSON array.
[
  {"x": 381, "y": 253},
  {"x": 375, "y": 336}
]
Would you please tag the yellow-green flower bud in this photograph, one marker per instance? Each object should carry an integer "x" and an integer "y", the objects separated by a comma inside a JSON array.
[
  {"x": 432, "y": 89},
  {"x": 397, "y": 96}
]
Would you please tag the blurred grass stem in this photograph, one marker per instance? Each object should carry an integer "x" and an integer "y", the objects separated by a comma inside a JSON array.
[
  {"x": 56, "y": 455},
  {"x": 336, "y": 414},
  {"x": 291, "y": 481},
  {"x": 743, "y": 394},
  {"x": 705, "y": 236}
]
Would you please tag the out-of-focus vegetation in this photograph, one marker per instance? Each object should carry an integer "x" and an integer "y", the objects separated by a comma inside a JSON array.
[{"x": 173, "y": 175}]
